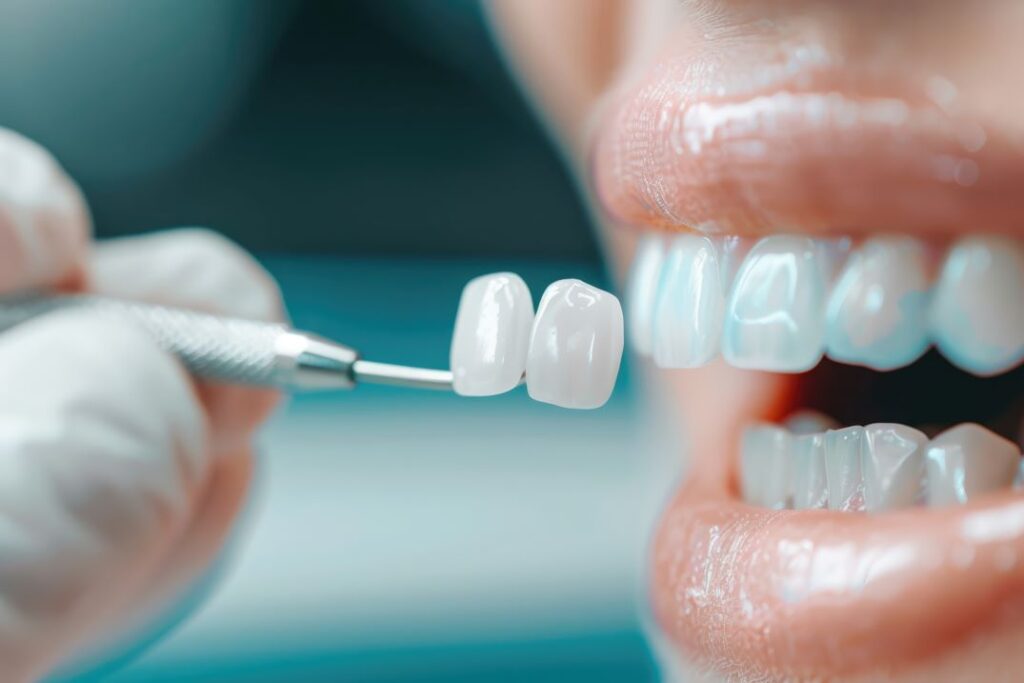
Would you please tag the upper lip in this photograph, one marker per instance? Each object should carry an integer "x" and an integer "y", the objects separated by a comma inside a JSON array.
[{"x": 813, "y": 148}]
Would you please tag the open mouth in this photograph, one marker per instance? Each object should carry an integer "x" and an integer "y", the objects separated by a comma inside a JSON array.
[
  {"x": 854, "y": 411},
  {"x": 845, "y": 348}
]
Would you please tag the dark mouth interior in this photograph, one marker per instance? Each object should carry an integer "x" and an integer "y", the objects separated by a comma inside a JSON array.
[{"x": 931, "y": 394}]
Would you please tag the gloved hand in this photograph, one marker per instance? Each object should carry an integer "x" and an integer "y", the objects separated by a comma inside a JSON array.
[{"x": 119, "y": 475}]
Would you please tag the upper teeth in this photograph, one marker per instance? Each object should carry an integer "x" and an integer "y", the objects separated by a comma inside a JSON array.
[
  {"x": 792, "y": 300},
  {"x": 874, "y": 468}
]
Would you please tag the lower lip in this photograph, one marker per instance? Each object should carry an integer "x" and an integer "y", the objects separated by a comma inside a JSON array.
[{"x": 807, "y": 593}]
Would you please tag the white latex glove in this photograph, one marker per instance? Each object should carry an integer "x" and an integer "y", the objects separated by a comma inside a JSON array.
[{"x": 119, "y": 475}]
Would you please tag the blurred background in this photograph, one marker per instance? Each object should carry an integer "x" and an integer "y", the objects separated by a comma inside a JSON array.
[{"x": 374, "y": 155}]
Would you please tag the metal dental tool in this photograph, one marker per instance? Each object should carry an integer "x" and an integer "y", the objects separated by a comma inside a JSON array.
[{"x": 236, "y": 350}]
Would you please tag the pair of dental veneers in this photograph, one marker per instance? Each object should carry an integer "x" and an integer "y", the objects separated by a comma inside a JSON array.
[{"x": 570, "y": 350}]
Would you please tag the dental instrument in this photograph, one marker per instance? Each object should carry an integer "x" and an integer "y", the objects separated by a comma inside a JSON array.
[
  {"x": 236, "y": 350},
  {"x": 572, "y": 346}
]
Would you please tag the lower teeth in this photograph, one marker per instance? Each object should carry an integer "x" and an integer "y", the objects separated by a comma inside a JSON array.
[{"x": 880, "y": 467}]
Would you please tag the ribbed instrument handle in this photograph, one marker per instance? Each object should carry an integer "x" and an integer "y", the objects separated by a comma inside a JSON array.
[{"x": 230, "y": 349}]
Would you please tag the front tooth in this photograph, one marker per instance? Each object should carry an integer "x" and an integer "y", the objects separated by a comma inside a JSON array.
[
  {"x": 969, "y": 460},
  {"x": 810, "y": 489},
  {"x": 492, "y": 334},
  {"x": 892, "y": 463},
  {"x": 765, "y": 466},
  {"x": 977, "y": 321},
  {"x": 877, "y": 313},
  {"x": 775, "y": 317},
  {"x": 575, "y": 346},
  {"x": 688, "y": 313},
  {"x": 842, "y": 469},
  {"x": 642, "y": 290}
]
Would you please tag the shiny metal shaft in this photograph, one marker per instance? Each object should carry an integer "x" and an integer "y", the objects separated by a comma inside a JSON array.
[{"x": 235, "y": 350}]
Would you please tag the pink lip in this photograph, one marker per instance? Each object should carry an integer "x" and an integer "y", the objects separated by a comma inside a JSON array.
[
  {"x": 817, "y": 593},
  {"x": 808, "y": 152}
]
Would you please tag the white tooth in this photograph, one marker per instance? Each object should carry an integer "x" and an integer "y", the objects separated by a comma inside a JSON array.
[
  {"x": 688, "y": 313},
  {"x": 575, "y": 347},
  {"x": 642, "y": 291},
  {"x": 810, "y": 490},
  {"x": 492, "y": 335},
  {"x": 842, "y": 469},
  {"x": 878, "y": 312},
  {"x": 969, "y": 460},
  {"x": 892, "y": 462},
  {"x": 977, "y": 320},
  {"x": 809, "y": 422},
  {"x": 766, "y": 466},
  {"x": 775, "y": 316}
]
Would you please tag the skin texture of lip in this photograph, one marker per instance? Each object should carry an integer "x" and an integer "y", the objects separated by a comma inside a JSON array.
[
  {"x": 816, "y": 593},
  {"x": 799, "y": 116},
  {"x": 800, "y": 136}
]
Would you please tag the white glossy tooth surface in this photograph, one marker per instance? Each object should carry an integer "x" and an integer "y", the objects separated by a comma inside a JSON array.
[
  {"x": 775, "y": 316},
  {"x": 688, "y": 313},
  {"x": 969, "y": 460},
  {"x": 893, "y": 466},
  {"x": 977, "y": 318},
  {"x": 810, "y": 489},
  {"x": 766, "y": 466},
  {"x": 642, "y": 291},
  {"x": 878, "y": 311},
  {"x": 842, "y": 469},
  {"x": 575, "y": 346},
  {"x": 492, "y": 335}
]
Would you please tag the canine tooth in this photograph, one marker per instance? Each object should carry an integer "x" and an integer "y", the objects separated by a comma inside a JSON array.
[
  {"x": 969, "y": 460},
  {"x": 575, "y": 346},
  {"x": 893, "y": 465},
  {"x": 642, "y": 292},
  {"x": 842, "y": 469},
  {"x": 810, "y": 490},
  {"x": 688, "y": 312},
  {"x": 766, "y": 466},
  {"x": 977, "y": 320},
  {"x": 775, "y": 316},
  {"x": 877, "y": 314},
  {"x": 492, "y": 334}
]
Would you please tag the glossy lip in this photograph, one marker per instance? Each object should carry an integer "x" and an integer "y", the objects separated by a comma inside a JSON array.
[
  {"x": 813, "y": 149},
  {"x": 809, "y": 146},
  {"x": 818, "y": 593}
]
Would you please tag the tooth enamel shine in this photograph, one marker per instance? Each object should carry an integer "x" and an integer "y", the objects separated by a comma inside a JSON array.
[
  {"x": 878, "y": 311},
  {"x": 893, "y": 466},
  {"x": 575, "y": 346},
  {"x": 810, "y": 489},
  {"x": 766, "y": 466},
  {"x": 967, "y": 461},
  {"x": 688, "y": 313},
  {"x": 775, "y": 316},
  {"x": 977, "y": 318},
  {"x": 842, "y": 469},
  {"x": 492, "y": 335},
  {"x": 642, "y": 292}
]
